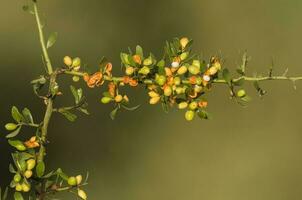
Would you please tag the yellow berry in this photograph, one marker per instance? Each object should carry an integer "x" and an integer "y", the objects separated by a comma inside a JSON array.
[
  {"x": 189, "y": 115},
  {"x": 106, "y": 100},
  {"x": 67, "y": 61},
  {"x": 72, "y": 181},
  {"x": 160, "y": 79},
  {"x": 193, "y": 105},
  {"x": 184, "y": 42},
  {"x": 129, "y": 71},
  {"x": 82, "y": 194},
  {"x": 18, "y": 187},
  {"x": 193, "y": 69},
  {"x": 182, "y": 105},
  {"x": 118, "y": 98},
  {"x": 31, "y": 163},
  {"x": 10, "y": 126},
  {"x": 79, "y": 179},
  {"x": 177, "y": 81},
  {"x": 153, "y": 94},
  {"x": 76, "y": 62},
  {"x": 182, "y": 70},
  {"x": 148, "y": 61},
  {"x": 167, "y": 91},
  {"x": 184, "y": 55},
  {"x": 241, "y": 93},
  {"x": 154, "y": 100},
  {"x": 28, "y": 173},
  {"x": 144, "y": 70},
  {"x": 25, "y": 187},
  {"x": 75, "y": 78}
]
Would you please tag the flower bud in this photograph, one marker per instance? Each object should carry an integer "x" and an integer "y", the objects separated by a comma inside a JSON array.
[
  {"x": 167, "y": 91},
  {"x": 79, "y": 179},
  {"x": 137, "y": 59},
  {"x": 241, "y": 93},
  {"x": 153, "y": 94},
  {"x": 10, "y": 126},
  {"x": 184, "y": 55},
  {"x": 193, "y": 105},
  {"x": 28, "y": 174},
  {"x": 18, "y": 187},
  {"x": 76, "y": 62},
  {"x": 118, "y": 98},
  {"x": 31, "y": 163},
  {"x": 193, "y": 69},
  {"x": 175, "y": 64},
  {"x": 129, "y": 71},
  {"x": 182, "y": 105},
  {"x": 67, "y": 61},
  {"x": 17, "y": 178},
  {"x": 25, "y": 187},
  {"x": 160, "y": 79},
  {"x": 189, "y": 115},
  {"x": 184, "y": 42},
  {"x": 182, "y": 70},
  {"x": 106, "y": 100},
  {"x": 72, "y": 181},
  {"x": 144, "y": 70},
  {"x": 82, "y": 194},
  {"x": 154, "y": 100}
]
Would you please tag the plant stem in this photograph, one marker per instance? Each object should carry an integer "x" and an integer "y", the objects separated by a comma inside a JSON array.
[
  {"x": 266, "y": 78},
  {"x": 42, "y": 40}
]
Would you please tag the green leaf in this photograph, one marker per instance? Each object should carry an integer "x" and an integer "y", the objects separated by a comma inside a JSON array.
[
  {"x": 104, "y": 61},
  {"x": 16, "y": 114},
  {"x": 40, "y": 169},
  {"x": 75, "y": 94},
  {"x": 11, "y": 168},
  {"x": 28, "y": 9},
  {"x": 124, "y": 58},
  {"x": 27, "y": 116},
  {"x": 113, "y": 113},
  {"x": 17, "y": 144},
  {"x": 18, "y": 196},
  {"x": 52, "y": 39},
  {"x": 226, "y": 75},
  {"x": 4, "y": 195},
  {"x": 203, "y": 114},
  {"x": 62, "y": 174},
  {"x": 14, "y": 133},
  {"x": 83, "y": 110},
  {"x": 240, "y": 82},
  {"x": 68, "y": 115},
  {"x": 139, "y": 51}
]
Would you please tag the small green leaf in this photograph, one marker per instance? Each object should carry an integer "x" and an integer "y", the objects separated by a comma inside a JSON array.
[
  {"x": 40, "y": 169},
  {"x": 11, "y": 168},
  {"x": 4, "y": 195},
  {"x": 52, "y": 39},
  {"x": 62, "y": 174},
  {"x": 27, "y": 116},
  {"x": 17, "y": 144},
  {"x": 113, "y": 113},
  {"x": 75, "y": 94},
  {"x": 16, "y": 114},
  {"x": 83, "y": 110},
  {"x": 14, "y": 133},
  {"x": 139, "y": 51},
  {"x": 68, "y": 115},
  {"x": 240, "y": 82},
  {"x": 18, "y": 196}
]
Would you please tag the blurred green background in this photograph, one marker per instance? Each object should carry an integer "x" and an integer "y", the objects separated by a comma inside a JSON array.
[{"x": 242, "y": 154}]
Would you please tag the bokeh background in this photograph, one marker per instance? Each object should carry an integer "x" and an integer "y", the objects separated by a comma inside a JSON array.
[{"x": 241, "y": 154}]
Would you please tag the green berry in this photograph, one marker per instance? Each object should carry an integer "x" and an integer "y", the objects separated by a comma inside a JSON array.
[
  {"x": 241, "y": 93},
  {"x": 75, "y": 78},
  {"x": 182, "y": 105},
  {"x": 184, "y": 55},
  {"x": 160, "y": 79},
  {"x": 144, "y": 70},
  {"x": 193, "y": 105},
  {"x": 193, "y": 69},
  {"x": 72, "y": 181},
  {"x": 106, "y": 100},
  {"x": 17, "y": 178},
  {"x": 20, "y": 147},
  {"x": 76, "y": 62},
  {"x": 189, "y": 115},
  {"x": 10, "y": 126}
]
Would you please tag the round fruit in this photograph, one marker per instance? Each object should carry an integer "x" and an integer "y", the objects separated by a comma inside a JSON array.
[
  {"x": 25, "y": 187},
  {"x": 67, "y": 61},
  {"x": 28, "y": 173},
  {"x": 82, "y": 194},
  {"x": 193, "y": 69},
  {"x": 182, "y": 70},
  {"x": 154, "y": 100},
  {"x": 177, "y": 81},
  {"x": 75, "y": 78},
  {"x": 79, "y": 179},
  {"x": 184, "y": 55},
  {"x": 72, "y": 181},
  {"x": 193, "y": 105},
  {"x": 196, "y": 63},
  {"x": 118, "y": 98},
  {"x": 106, "y": 100},
  {"x": 145, "y": 70},
  {"x": 241, "y": 93},
  {"x": 167, "y": 91},
  {"x": 18, "y": 187},
  {"x": 31, "y": 163},
  {"x": 148, "y": 61},
  {"x": 76, "y": 62},
  {"x": 160, "y": 79},
  {"x": 17, "y": 178},
  {"x": 153, "y": 94},
  {"x": 10, "y": 126},
  {"x": 182, "y": 105},
  {"x": 189, "y": 115}
]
